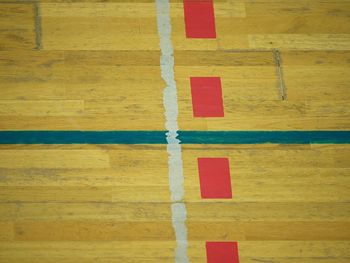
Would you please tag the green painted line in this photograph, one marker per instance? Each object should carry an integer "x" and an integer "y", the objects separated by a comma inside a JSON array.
[{"x": 186, "y": 137}]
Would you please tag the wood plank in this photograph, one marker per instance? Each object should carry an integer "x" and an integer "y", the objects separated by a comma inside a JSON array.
[
  {"x": 6, "y": 231},
  {"x": 336, "y": 8},
  {"x": 41, "y": 107},
  {"x": 317, "y": 75},
  {"x": 123, "y": 212},
  {"x": 83, "y": 174},
  {"x": 300, "y": 41},
  {"x": 283, "y": 24},
  {"x": 54, "y": 159},
  {"x": 93, "y": 231},
  {"x": 227, "y": 231},
  {"x": 88, "y": 251},
  {"x": 253, "y": 114},
  {"x": 237, "y": 211},
  {"x": 17, "y": 26},
  {"x": 284, "y": 251},
  {"x": 49, "y": 79},
  {"x": 201, "y": 212},
  {"x": 278, "y": 175},
  {"x": 55, "y": 194},
  {"x": 104, "y": 29}
]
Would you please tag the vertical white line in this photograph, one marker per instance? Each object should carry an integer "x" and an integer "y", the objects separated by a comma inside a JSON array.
[{"x": 176, "y": 177}]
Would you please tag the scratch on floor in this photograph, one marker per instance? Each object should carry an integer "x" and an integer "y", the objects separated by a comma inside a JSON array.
[
  {"x": 37, "y": 25},
  {"x": 279, "y": 71}
]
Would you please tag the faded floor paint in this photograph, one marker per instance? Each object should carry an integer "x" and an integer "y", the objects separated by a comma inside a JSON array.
[{"x": 176, "y": 177}]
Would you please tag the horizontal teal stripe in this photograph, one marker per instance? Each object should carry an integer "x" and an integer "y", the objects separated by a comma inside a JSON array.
[
  {"x": 82, "y": 137},
  {"x": 186, "y": 137}
]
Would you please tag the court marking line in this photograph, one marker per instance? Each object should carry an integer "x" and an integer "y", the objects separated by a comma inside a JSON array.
[
  {"x": 199, "y": 18},
  {"x": 185, "y": 137},
  {"x": 222, "y": 251},
  {"x": 207, "y": 91},
  {"x": 214, "y": 177},
  {"x": 175, "y": 165}
]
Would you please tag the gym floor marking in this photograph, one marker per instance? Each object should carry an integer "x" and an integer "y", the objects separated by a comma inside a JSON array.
[
  {"x": 199, "y": 19},
  {"x": 214, "y": 174},
  {"x": 185, "y": 137},
  {"x": 175, "y": 169},
  {"x": 207, "y": 97},
  {"x": 222, "y": 252},
  {"x": 214, "y": 177}
]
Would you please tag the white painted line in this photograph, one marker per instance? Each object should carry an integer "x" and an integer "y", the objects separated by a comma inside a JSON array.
[{"x": 176, "y": 177}]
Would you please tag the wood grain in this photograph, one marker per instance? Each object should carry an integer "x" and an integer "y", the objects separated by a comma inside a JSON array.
[{"x": 98, "y": 69}]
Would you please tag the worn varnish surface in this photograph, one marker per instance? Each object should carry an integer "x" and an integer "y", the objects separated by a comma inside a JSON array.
[{"x": 97, "y": 68}]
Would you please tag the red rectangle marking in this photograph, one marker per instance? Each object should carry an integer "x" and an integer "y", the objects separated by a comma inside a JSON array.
[
  {"x": 207, "y": 97},
  {"x": 199, "y": 19},
  {"x": 214, "y": 177},
  {"x": 222, "y": 252}
]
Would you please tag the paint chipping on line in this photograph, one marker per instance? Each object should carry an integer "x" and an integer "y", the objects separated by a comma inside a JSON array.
[{"x": 176, "y": 178}]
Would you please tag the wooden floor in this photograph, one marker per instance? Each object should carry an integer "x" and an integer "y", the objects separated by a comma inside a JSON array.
[{"x": 93, "y": 65}]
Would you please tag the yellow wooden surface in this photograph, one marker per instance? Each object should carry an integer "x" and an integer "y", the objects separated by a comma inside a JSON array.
[
  {"x": 89, "y": 77},
  {"x": 17, "y": 26},
  {"x": 98, "y": 69},
  {"x": 81, "y": 90},
  {"x": 282, "y": 194},
  {"x": 264, "y": 24}
]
